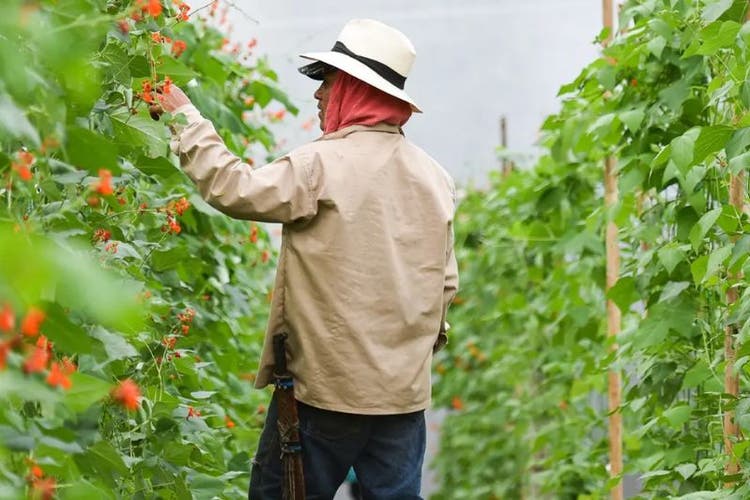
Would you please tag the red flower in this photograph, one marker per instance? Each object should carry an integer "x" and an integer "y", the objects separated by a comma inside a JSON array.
[
  {"x": 35, "y": 472},
  {"x": 68, "y": 366},
  {"x": 102, "y": 235},
  {"x": 154, "y": 8},
  {"x": 178, "y": 47},
  {"x": 253, "y": 234},
  {"x": 4, "y": 350},
  {"x": 43, "y": 488},
  {"x": 37, "y": 361},
  {"x": 181, "y": 206},
  {"x": 104, "y": 186},
  {"x": 123, "y": 26},
  {"x": 7, "y": 319},
  {"x": 127, "y": 394},
  {"x": 167, "y": 87},
  {"x": 192, "y": 412},
  {"x": 457, "y": 404},
  {"x": 32, "y": 322},
  {"x": 57, "y": 377},
  {"x": 264, "y": 256}
]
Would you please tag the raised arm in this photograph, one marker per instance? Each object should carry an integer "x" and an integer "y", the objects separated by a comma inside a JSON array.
[{"x": 281, "y": 191}]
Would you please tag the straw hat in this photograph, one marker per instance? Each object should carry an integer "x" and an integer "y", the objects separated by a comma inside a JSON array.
[{"x": 370, "y": 51}]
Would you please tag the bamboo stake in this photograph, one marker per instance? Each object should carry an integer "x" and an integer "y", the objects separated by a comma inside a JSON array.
[
  {"x": 613, "y": 312},
  {"x": 507, "y": 166},
  {"x": 732, "y": 433}
]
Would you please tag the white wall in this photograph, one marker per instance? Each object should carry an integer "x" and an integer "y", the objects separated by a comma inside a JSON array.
[{"x": 476, "y": 60}]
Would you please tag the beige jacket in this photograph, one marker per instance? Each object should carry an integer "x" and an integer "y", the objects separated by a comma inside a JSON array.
[{"x": 366, "y": 268}]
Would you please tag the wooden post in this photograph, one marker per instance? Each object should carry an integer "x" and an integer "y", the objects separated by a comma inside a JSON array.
[
  {"x": 507, "y": 165},
  {"x": 614, "y": 317},
  {"x": 737, "y": 185}
]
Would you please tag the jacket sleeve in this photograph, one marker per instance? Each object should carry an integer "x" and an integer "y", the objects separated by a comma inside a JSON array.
[
  {"x": 278, "y": 192},
  {"x": 450, "y": 288}
]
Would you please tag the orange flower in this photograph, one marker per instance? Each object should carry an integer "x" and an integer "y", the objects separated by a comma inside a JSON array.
[
  {"x": 104, "y": 186},
  {"x": 37, "y": 361},
  {"x": 457, "y": 404},
  {"x": 43, "y": 488},
  {"x": 7, "y": 319},
  {"x": 156, "y": 37},
  {"x": 228, "y": 421},
  {"x": 192, "y": 412},
  {"x": 4, "y": 350},
  {"x": 123, "y": 26},
  {"x": 264, "y": 256},
  {"x": 102, "y": 235},
  {"x": 167, "y": 88},
  {"x": 57, "y": 377},
  {"x": 36, "y": 472},
  {"x": 181, "y": 206},
  {"x": 154, "y": 8},
  {"x": 68, "y": 366},
  {"x": 178, "y": 47},
  {"x": 32, "y": 322},
  {"x": 253, "y": 234},
  {"x": 127, "y": 394}
]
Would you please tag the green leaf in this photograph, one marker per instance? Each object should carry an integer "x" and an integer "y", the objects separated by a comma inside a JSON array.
[
  {"x": 15, "y": 123},
  {"x": 683, "y": 147},
  {"x": 671, "y": 255},
  {"x": 675, "y": 95},
  {"x": 115, "y": 345},
  {"x": 632, "y": 119},
  {"x": 206, "y": 487},
  {"x": 656, "y": 46},
  {"x": 85, "y": 391},
  {"x": 739, "y": 142},
  {"x": 673, "y": 289},
  {"x": 696, "y": 375},
  {"x": 705, "y": 223},
  {"x": 66, "y": 335},
  {"x": 163, "y": 260},
  {"x": 711, "y": 140},
  {"x": 91, "y": 151},
  {"x": 698, "y": 269},
  {"x": 139, "y": 132},
  {"x": 677, "y": 416},
  {"x": 717, "y": 36},
  {"x": 159, "y": 167},
  {"x": 713, "y": 11},
  {"x": 686, "y": 470},
  {"x": 739, "y": 163},
  {"x": 716, "y": 260},
  {"x": 202, "y": 394},
  {"x": 102, "y": 460},
  {"x": 176, "y": 70},
  {"x": 624, "y": 293}
]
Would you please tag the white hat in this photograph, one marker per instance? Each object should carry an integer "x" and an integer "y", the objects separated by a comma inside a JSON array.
[{"x": 370, "y": 51}]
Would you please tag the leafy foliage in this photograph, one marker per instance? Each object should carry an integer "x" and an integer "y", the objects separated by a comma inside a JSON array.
[
  {"x": 131, "y": 311},
  {"x": 669, "y": 99}
]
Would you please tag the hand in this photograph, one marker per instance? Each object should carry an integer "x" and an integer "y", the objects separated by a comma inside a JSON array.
[{"x": 173, "y": 100}]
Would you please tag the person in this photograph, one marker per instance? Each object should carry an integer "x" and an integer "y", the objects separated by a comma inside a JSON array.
[{"x": 366, "y": 267}]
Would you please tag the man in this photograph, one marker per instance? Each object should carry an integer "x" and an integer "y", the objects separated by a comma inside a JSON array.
[{"x": 366, "y": 269}]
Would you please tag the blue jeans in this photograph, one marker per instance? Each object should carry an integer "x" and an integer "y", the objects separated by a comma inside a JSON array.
[{"x": 386, "y": 452}]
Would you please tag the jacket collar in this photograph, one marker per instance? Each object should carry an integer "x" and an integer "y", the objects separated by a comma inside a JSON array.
[{"x": 380, "y": 127}]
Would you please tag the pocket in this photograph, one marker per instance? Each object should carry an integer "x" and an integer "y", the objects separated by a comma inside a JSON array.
[{"x": 328, "y": 425}]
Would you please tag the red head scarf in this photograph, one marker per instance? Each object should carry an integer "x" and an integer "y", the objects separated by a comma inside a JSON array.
[{"x": 353, "y": 102}]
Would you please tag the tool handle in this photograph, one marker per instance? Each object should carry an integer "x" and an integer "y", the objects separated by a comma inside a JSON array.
[{"x": 279, "y": 353}]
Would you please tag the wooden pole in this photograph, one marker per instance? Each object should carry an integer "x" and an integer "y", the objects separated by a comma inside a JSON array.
[
  {"x": 737, "y": 185},
  {"x": 614, "y": 317},
  {"x": 507, "y": 166}
]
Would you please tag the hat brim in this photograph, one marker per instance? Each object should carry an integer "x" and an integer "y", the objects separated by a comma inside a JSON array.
[{"x": 338, "y": 60}]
